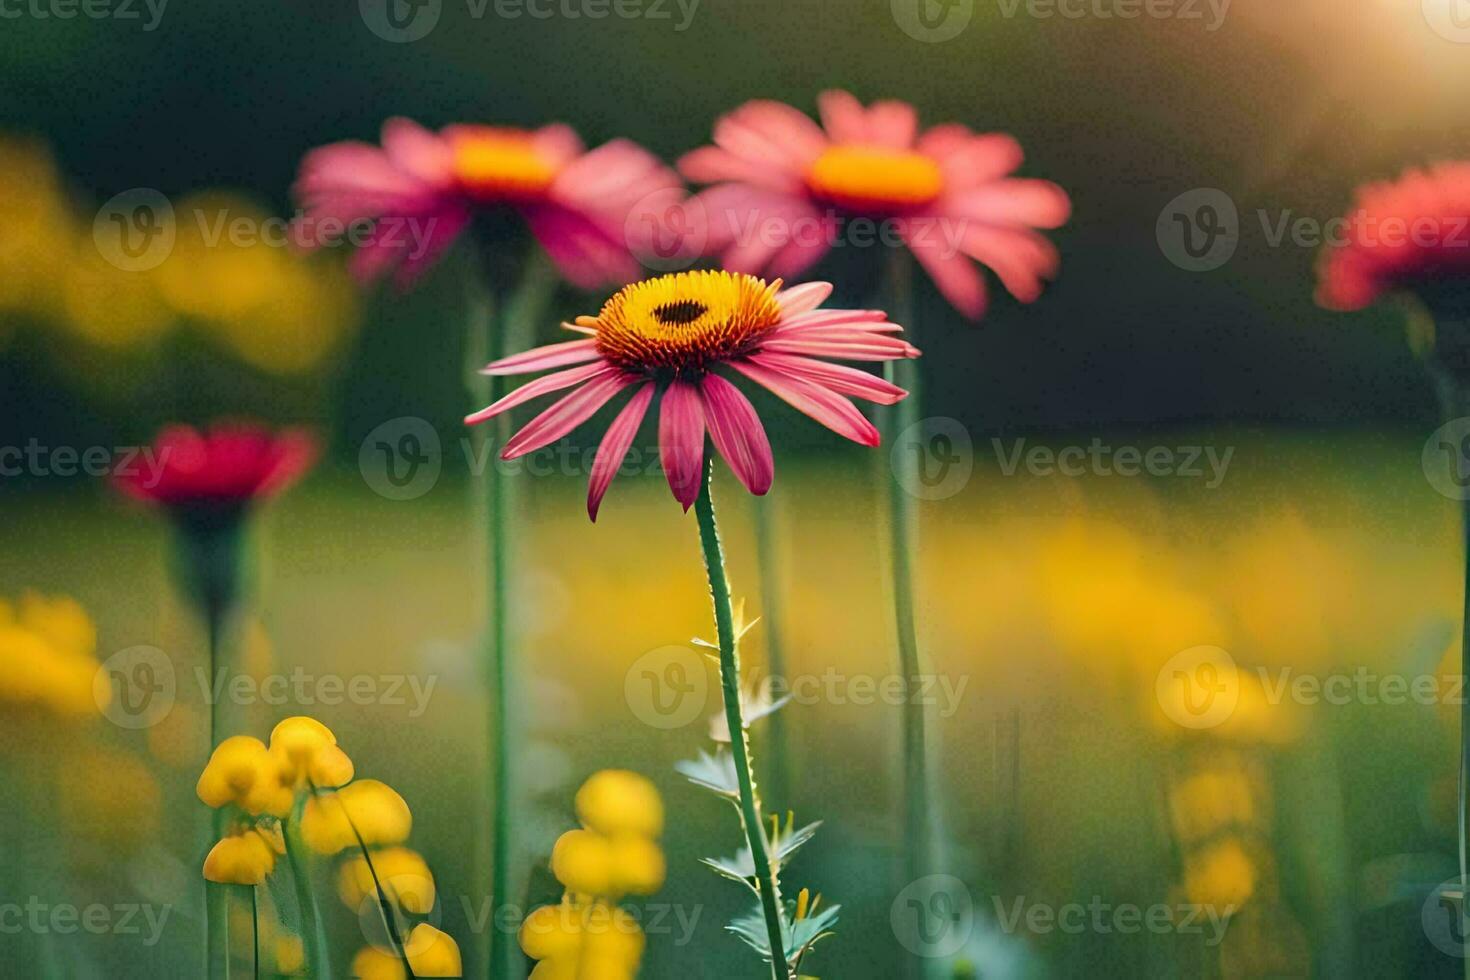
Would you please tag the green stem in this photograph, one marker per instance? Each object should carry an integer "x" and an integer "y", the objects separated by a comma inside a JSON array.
[
  {"x": 312, "y": 936},
  {"x": 385, "y": 907},
  {"x": 750, "y": 812},
  {"x": 516, "y": 328},
  {"x": 216, "y": 896},
  {"x": 255, "y": 926},
  {"x": 769, "y": 559},
  {"x": 920, "y": 801}
]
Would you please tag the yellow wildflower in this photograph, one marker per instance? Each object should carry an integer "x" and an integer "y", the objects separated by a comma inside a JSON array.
[
  {"x": 637, "y": 866},
  {"x": 583, "y": 861},
  {"x": 307, "y": 752},
  {"x": 380, "y": 815},
  {"x": 432, "y": 952},
  {"x": 616, "y": 801},
  {"x": 402, "y": 872},
  {"x": 240, "y": 859},
  {"x": 242, "y": 771}
]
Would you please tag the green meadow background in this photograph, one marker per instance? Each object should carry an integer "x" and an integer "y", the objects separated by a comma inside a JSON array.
[{"x": 1325, "y": 551}]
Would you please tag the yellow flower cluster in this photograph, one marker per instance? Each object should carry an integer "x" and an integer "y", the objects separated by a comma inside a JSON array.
[
  {"x": 48, "y": 659},
  {"x": 215, "y": 260},
  {"x": 260, "y": 783},
  {"x": 431, "y": 952},
  {"x": 614, "y": 854}
]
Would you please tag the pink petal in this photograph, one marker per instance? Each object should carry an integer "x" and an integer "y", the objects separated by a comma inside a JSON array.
[
  {"x": 541, "y": 386},
  {"x": 1037, "y": 203},
  {"x": 558, "y": 142},
  {"x": 815, "y": 319},
  {"x": 864, "y": 349},
  {"x": 715, "y": 164},
  {"x": 424, "y": 242},
  {"x": 843, "y": 116},
  {"x": 415, "y": 150},
  {"x": 565, "y": 414},
  {"x": 958, "y": 279},
  {"x": 771, "y": 133},
  {"x": 838, "y": 377},
  {"x": 803, "y": 299},
  {"x": 737, "y": 433},
  {"x": 681, "y": 440},
  {"x": 541, "y": 358},
  {"x": 893, "y": 124},
  {"x": 584, "y": 253},
  {"x": 975, "y": 160},
  {"x": 1022, "y": 259},
  {"x": 827, "y": 407},
  {"x": 614, "y": 447}
]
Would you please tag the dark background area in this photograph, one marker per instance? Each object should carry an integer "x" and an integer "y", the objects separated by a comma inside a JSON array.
[{"x": 1285, "y": 106}]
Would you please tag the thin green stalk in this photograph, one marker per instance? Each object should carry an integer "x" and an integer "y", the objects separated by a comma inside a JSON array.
[
  {"x": 513, "y": 332},
  {"x": 317, "y": 964},
  {"x": 1464, "y": 782},
  {"x": 255, "y": 926},
  {"x": 769, "y": 558},
  {"x": 920, "y": 800},
  {"x": 216, "y": 896},
  {"x": 750, "y": 811},
  {"x": 385, "y": 907}
]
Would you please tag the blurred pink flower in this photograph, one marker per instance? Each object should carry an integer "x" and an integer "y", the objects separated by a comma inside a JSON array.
[
  {"x": 1411, "y": 234},
  {"x": 421, "y": 189},
  {"x": 667, "y": 336},
  {"x": 946, "y": 191},
  {"x": 225, "y": 467}
]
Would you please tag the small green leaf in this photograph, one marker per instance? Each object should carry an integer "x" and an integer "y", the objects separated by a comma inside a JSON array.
[{"x": 715, "y": 773}]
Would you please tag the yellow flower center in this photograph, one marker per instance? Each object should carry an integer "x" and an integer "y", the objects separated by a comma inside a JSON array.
[
  {"x": 684, "y": 322},
  {"x": 500, "y": 164},
  {"x": 874, "y": 178}
]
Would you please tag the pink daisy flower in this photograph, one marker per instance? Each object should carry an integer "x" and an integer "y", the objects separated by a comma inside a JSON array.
[
  {"x": 947, "y": 191},
  {"x": 421, "y": 189},
  {"x": 667, "y": 337},
  {"x": 223, "y": 468}
]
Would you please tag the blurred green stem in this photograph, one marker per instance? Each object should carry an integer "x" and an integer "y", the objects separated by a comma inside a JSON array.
[
  {"x": 317, "y": 964},
  {"x": 921, "y": 805},
  {"x": 750, "y": 810},
  {"x": 255, "y": 926},
  {"x": 769, "y": 557},
  {"x": 216, "y": 896},
  {"x": 516, "y": 326}
]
